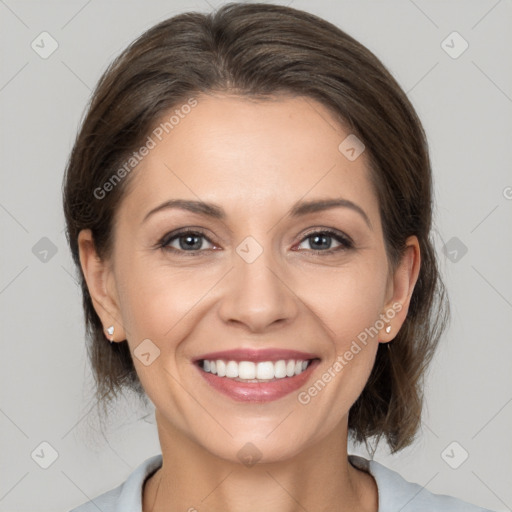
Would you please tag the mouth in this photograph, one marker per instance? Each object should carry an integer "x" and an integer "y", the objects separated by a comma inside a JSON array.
[
  {"x": 256, "y": 376},
  {"x": 249, "y": 371}
]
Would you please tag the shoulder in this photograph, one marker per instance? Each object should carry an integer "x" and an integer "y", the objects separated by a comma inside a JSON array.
[
  {"x": 126, "y": 497},
  {"x": 106, "y": 502},
  {"x": 396, "y": 493}
]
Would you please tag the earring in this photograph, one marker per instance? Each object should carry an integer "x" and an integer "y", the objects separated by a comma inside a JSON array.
[
  {"x": 388, "y": 329},
  {"x": 110, "y": 331}
]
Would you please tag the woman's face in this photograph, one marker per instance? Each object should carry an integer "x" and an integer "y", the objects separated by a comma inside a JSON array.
[{"x": 253, "y": 279}]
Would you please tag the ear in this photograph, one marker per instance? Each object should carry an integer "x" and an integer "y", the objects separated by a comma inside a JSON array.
[
  {"x": 101, "y": 284},
  {"x": 400, "y": 288}
]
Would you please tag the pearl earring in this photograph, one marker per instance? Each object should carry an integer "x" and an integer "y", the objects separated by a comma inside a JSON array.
[
  {"x": 388, "y": 329},
  {"x": 110, "y": 331}
]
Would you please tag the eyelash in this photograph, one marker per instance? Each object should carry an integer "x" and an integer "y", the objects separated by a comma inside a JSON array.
[{"x": 345, "y": 241}]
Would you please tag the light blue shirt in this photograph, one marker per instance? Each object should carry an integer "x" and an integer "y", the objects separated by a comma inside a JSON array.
[{"x": 395, "y": 493}]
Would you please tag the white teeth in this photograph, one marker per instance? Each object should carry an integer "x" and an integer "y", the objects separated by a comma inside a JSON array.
[
  {"x": 280, "y": 369},
  {"x": 221, "y": 368},
  {"x": 232, "y": 370},
  {"x": 248, "y": 370},
  {"x": 265, "y": 370}
]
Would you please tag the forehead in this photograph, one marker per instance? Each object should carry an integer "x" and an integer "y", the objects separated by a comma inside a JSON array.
[{"x": 245, "y": 153}]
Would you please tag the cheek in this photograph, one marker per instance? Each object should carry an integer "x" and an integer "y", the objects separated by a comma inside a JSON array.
[
  {"x": 349, "y": 300},
  {"x": 147, "y": 292},
  {"x": 162, "y": 303},
  {"x": 353, "y": 316}
]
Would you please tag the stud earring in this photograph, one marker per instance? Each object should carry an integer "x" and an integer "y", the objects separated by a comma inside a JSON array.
[
  {"x": 110, "y": 331},
  {"x": 388, "y": 329}
]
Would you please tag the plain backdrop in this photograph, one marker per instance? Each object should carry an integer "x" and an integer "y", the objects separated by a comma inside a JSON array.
[{"x": 464, "y": 98}]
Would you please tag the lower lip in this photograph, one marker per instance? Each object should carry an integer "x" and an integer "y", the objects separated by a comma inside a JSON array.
[{"x": 258, "y": 391}]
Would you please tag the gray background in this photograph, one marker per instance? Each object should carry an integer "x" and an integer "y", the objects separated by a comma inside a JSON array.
[{"x": 465, "y": 104}]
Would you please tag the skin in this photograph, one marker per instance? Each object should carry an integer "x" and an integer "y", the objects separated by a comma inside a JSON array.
[{"x": 243, "y": 155}]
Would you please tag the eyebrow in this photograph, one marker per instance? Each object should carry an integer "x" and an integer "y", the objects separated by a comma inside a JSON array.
[{"x": 298, "y": 209}]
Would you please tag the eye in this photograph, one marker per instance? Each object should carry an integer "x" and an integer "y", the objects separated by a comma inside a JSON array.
[
  {"x": 321, "y": 241},
  {"x": 191, "y": 241},
  {"x": 185, "y": 241}
]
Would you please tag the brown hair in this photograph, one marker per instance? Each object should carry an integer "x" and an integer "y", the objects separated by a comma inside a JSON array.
[{"x": 258, "y": 50}]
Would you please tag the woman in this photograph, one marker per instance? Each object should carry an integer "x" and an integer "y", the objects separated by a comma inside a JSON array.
[{"x": 249, "y": 203}]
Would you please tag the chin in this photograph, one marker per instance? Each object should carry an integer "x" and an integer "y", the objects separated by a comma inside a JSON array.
[
  {"x": 258, "y": 442},
  {"x": 250, "y": 450}
]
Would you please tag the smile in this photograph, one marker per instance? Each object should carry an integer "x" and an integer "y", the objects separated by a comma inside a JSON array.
[
  {"x": 249, "y": 371},
  {"x": 256, "y": 375}
]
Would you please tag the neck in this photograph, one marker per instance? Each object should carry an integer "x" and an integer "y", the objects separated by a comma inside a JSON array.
[{"x": 318, "y": 479}]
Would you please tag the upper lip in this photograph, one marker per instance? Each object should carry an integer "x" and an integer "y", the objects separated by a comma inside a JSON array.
[{"x": 256, "y": 355}]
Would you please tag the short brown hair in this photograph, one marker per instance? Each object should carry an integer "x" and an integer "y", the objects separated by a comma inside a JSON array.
[{"x": 258, "y": 50}]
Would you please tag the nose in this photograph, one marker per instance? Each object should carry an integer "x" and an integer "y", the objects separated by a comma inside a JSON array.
[{"x": 257, "y": 295}]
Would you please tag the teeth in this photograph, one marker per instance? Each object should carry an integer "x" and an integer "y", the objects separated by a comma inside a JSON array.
[
  {"x": 248, "y": 370},
  {"x": 265, "y": 370},
  {"x": 232, "y": 370},
  {"x": 280, "y": 369},
  {"x": 221, "y": 368}
]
